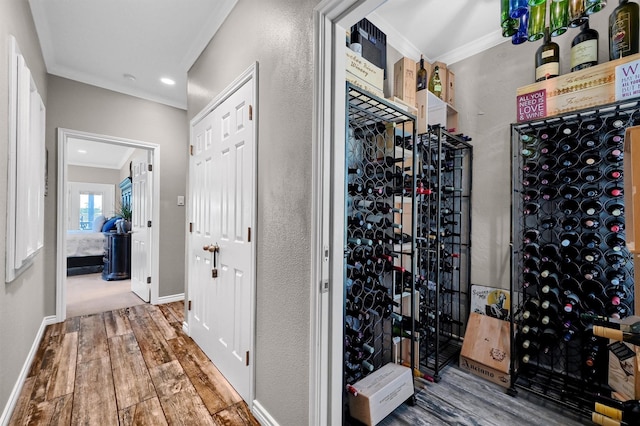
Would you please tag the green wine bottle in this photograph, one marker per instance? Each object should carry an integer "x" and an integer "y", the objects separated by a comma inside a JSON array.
[{"x": 623, "y": 30}]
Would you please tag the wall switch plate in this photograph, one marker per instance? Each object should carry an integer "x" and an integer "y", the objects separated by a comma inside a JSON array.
[{"x": 181, "y": 200}]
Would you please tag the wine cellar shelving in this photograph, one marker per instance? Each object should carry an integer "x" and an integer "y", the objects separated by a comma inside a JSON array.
[
  {"x": 569, "y": 260},
  {"x": 407, "y": 246},
  {"x": 443, "y": 244}
]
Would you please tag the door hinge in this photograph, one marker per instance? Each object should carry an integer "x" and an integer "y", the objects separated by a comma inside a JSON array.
[
  {"x": 247, "y": 358},
  {"x": 190, "y": 226},
  {"x": 250, "y": 112},
  {"x": 148, "y": 280},
  {"x": 324, "y": 286},
  {"x": 189, "y": 305},
  {"x": 150, "y": 167},
  {"x": 190, "y": 149},
  {"x": 249, "y": 234},
  {"x": 148, "y": 224}
]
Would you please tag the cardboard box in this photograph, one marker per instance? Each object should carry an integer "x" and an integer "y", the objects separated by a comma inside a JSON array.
[
  {"x": 451, "y": 88},
  {"x": 486, "y": 349},
  {"x": 358, "y": 82},
  {"x": 404, "y": 80},
  {"x": 587, "y": 88},
  {"x": 380, "y": 393},
  {"x": 364, "y": 70},
  {"x": 624, "y": 364}
]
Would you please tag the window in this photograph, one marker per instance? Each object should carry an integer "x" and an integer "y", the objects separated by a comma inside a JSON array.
[
  {"x": 86, "y": 201},
  {"x": 90, "y": 208}
]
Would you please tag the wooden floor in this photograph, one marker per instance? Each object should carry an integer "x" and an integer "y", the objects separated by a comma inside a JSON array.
[{"x": 129, "y": 366}]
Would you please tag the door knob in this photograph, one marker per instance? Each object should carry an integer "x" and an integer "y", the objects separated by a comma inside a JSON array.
[
  {"x": 213, "y": 248},
  {"x": 205, "y": 248}
]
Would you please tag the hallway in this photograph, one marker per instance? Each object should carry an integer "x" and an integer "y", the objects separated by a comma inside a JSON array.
[{"x": 127, "y": 366}]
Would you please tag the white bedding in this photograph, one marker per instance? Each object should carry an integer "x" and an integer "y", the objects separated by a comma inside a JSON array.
[{"x": 84, "y": 243}]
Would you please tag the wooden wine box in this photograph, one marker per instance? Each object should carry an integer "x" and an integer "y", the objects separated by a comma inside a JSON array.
[
  {"x": 486, "y": 349},
  {"x": 358, "y": 82},
  {"x": 404, "y": 81},
  {"x": 624, "y": 366},
  {"x": 588, "y": 88},
  {"x": 380, "y": 393},
  {"x": 632, "y": 201},
  {"x": 451, "y": 88},
  {"x": 364, "y": 70}
]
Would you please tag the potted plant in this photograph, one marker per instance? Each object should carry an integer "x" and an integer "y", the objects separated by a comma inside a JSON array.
[{"x": 124, "y": 212}]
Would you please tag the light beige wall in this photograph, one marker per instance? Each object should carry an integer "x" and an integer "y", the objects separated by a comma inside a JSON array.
[
  {"x": 93, "y": 175},
  {"x": 82, "y": 107},
  {"x": 22, "y": 302},
  {"x": 277, "y": 34},
  {"x": 486, "y": 100}
]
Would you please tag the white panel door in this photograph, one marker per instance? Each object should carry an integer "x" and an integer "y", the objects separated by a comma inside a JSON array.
[
  {"x": 222, "y": 190},
  {"x": 140, "y": 215}
]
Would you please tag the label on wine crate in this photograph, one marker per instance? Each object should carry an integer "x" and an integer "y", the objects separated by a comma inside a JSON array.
[
  {"x": 532, "y": 105},
  {"x": 628, "y": 80},
  {"x": 364, "y": 70},
  {"x": 490, "y": 301}
]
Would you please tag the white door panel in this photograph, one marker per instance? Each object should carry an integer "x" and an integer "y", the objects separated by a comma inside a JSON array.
[
  {"x": 222, "y": 196},
  {"x": 140, "y": 214}
]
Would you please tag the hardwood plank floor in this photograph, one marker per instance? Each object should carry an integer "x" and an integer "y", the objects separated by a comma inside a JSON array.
[
  {"x": 135, "y": 366},
  {"x": 130, "y": 366}
]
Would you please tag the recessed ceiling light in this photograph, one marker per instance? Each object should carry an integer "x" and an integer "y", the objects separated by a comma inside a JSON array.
[
  {"x": 167, "y": 81},
  {"x": 130, "y": 77},
  {"x": 82, "y": 151}
]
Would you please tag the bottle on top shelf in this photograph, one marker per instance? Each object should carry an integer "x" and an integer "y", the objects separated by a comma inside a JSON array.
[
  {"x": 584, "y": 48},
  {"x": 547, "y": 59},
  {"x": 435, "y": 83},
  {"x": 421, "y": 76},
  {"x": 623, "y": 30}
]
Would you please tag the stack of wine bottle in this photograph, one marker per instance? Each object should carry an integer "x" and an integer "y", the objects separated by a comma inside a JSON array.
[
  {"x": 374, "y": 176},
  {"x": 572, "y": 257}
]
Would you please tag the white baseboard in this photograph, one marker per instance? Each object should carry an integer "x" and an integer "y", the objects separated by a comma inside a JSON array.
[
  {"x": 169, "y": 299},
  {"x": 185, "y": 327},
  {"x": 17, "y": 388},
  {"x": 262, "y": 415}
]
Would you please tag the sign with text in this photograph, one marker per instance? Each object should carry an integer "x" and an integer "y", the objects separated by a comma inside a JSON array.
[
  {"x": 628, "y": 80},
  {"x": 532, "y": 105}
]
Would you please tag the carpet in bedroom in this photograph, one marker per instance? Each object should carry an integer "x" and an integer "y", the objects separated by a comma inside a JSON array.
[{"x": 90, "y": 294}]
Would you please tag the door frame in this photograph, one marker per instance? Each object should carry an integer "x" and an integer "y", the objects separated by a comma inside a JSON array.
[
  {"x": 330, "y": 21},
  {"x": 63, "y": 136},
  {"x": 249, "y": 76}
]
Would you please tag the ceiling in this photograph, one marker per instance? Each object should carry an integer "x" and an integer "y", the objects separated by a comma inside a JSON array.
[
  {"x": 128, "y": 45},
  {"x": 85, "y": 153}
]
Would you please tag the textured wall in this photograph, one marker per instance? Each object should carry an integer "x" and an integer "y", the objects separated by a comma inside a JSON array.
[
  {"x": 277, "y": 34},
  {"x": 486, "y": 100},
  {"x": 86, "y": 108},
  {"x": 22, "y": 302}
]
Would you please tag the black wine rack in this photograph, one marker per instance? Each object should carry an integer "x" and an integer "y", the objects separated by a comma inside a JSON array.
[
  {"x": 443, "y": 244},
  {"x": 569, "y": 260},
  {"x": 378, "y": 163}
]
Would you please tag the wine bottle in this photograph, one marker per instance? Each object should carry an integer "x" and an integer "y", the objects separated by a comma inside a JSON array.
[
  {"x": 613, "y": 173},
  {"x": 549, "y": 252},
  {"x": 591, "y": 174},
  {"x": 568, "y": 238},
  {"x": 577, "y": 13},
  {"x": 590, "y": 190},
  {"x": 568, "y": 175},
  {"x": 590, "y": 158},
  {"x": 570, "y": 223},
  {"x": 590, "y": 271},
  {"x": 547, "y": 59},
  {"x": 571, "y": 302},
  {"x": 569, "y": 255},
  {"x": 569, "y": 207},
  {"x": 421, "y": 77},
  {"x": 603, "y": 420},
  {"x": 619, "y": 335},
  {"x": 548, "y": 192},
  {"x": 615, "y": 225},
  {"x": 591, "y": 240},
  {"x": 547, "y": 178},
  {"x": 559, "y": 17},
  {"x": 591, "y": 222},
  {"x": 584, "y": 48},
  {"x": 569, "y": 159},
  {"x": 615, "y": 155},
  {"x": 531, "y": 235},
  {"x": 614, "y": 190},
  {"x": 591, "y": 207},
  {"x": 569, "y": 192},
  {"x": 591, "y": 255},
  {"x": 626, "y": 411},
  {"x": 435, "y": 84},
  {"x": 623, "y": 30},
  {"x": 615, "y": 242},
  {"x": 616, "y": 277}
]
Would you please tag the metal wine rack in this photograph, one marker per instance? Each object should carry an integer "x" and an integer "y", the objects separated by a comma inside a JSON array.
[
  {"x": 378, "y": 163},
  {"x": 569, "y": 261},
  {"x": 443, "y": 244}
]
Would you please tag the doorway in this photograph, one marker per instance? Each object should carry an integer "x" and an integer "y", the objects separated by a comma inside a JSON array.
[{"x": 149, "y": 262}]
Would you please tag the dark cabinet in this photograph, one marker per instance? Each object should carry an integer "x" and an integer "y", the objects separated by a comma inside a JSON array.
[{"x": 117, "y": 257}]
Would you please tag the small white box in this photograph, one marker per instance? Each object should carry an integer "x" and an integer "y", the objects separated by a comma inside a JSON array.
[{"x": 380, "y": 393}]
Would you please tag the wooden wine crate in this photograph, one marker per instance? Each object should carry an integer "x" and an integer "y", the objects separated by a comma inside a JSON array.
[
  {"x": 380, "y": 393},
  {"x": 624, "y": 363},
  {"x": 451, "y": 88},
  {"x": 404, "y": 80},
  {"x": 632, "y": 188},
  {"x": 364, "y": 70},
  {"x": 587, "y": 88},
  {"x": 486, "y": 349},
  {"x": 358, "y": 82}
]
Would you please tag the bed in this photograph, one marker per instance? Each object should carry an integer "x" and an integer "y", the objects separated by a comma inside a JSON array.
[{"x": 85, "y": 252}]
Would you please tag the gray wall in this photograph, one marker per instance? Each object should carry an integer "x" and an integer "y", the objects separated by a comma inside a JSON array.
[
  {"x": 82, "y": 107},
  {"x": 277, "y": 34},
  {"x": 486, "y": 100},
  {"x": 23, "y": 304}
]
